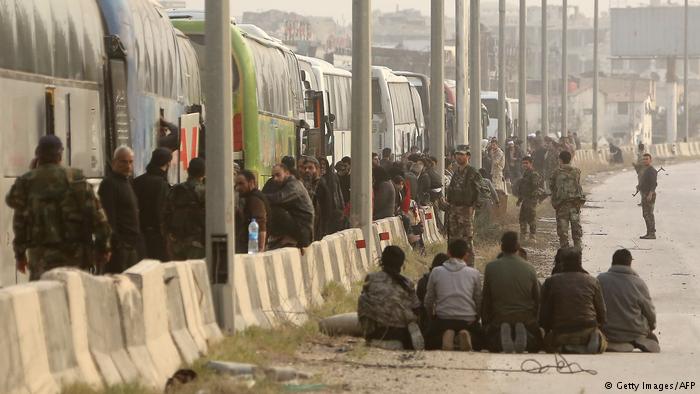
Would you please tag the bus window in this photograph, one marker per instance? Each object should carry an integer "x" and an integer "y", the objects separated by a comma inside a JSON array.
[
  {"x": 295, "y": 79},
  {"x": 274, "y": 84},
  {"x": 401, "y": 103},
  {"x": 376, "y": 97}
]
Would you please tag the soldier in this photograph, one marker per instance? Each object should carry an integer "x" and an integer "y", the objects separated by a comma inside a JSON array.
[
  {"x": 58, "y": 220},
  {"x": 647, "y": 187},
  {"x": 185, "y": 214},
  {"x": 567, "y": 199},
  {"x": 530, "y": 192},
  {"x": 462, "y": 197}
]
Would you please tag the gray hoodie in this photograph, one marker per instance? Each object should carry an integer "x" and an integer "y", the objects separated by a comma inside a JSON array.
[{"x": 454, "y": 291}]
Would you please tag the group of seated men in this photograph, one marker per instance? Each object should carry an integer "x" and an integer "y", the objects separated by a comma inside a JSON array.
[{"x": 572, "y": 312}]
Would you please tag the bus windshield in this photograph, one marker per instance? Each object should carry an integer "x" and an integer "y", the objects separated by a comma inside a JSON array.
[
  {"x": 340, "y": 97},
  {"x": 491, "y": 107}
]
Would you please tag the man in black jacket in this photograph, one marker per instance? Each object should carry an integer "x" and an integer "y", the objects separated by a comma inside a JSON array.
[
  {"x": 291, "y": 210},
  {"x": 326, "y": 214},
  {"x": 152, "y": 189},
  {"x": 122, "y": 209},
  {"x": 647, "y": 187}
]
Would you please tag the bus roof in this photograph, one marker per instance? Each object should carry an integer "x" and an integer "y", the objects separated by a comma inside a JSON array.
[
  {"x": 325, "y": 67},
  {"x": 250, "y": 31},
  {"x": 387, "y": 74}
]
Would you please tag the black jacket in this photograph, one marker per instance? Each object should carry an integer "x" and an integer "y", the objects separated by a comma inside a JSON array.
[
  {"x": 122, "y": 209},
  {"x": 152, "y": 190},
  {"x": 292, "y": 197}
]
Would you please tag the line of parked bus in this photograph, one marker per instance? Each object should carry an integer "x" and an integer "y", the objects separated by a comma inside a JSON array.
[{"x": 105, "y": 73}]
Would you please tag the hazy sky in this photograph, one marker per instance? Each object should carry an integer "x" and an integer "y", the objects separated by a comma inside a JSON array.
[{"x": 342, "y": 9}]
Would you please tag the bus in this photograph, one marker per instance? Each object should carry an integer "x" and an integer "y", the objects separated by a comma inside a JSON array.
[
  {"x": 268, "y": 105},
  {"x": 97, "y": 74},
  {"x": 396, "y": 122},
  {"x": 332, "y": 86},
  {"x": 490, "y": 100}
]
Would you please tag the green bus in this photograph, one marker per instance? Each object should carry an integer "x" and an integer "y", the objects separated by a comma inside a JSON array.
[{"x": 268, "y": 104}]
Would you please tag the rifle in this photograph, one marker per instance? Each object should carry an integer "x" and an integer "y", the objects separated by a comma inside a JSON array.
[{"x": 657, "y": 171}]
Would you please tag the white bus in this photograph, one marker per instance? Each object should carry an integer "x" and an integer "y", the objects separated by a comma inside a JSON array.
[
  {"x": 334, "y": 118},
  {"x": 397, "y": 121},
  {"x": 490, "y": 100}
]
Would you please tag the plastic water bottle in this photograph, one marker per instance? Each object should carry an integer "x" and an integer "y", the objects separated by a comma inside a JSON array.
[{"x": 253, "y": 231}]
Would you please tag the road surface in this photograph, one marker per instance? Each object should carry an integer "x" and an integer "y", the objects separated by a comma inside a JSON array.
[{"x": 670, "y": 266}]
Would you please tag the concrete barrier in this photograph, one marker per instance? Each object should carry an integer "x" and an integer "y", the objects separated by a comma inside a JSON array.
[
  {"x": 25, "y": 358},
  {"x": 147, "y": 277},
  {"x": 203, "y": 299},
  {"x": 431, "y": 234},
  {"x": 133, "y": 327},
  {"x": 186, "y": 343},
  {"x": 75, "y": 297}
]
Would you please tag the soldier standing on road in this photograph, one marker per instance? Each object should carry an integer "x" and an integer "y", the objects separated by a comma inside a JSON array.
[
  {"x": 530, "y": 191},
  {"x": 462, "y": 197},
  {"x": 122, "y": 209},
  {"x": 58, "y": 220},
  {"x": 185, "y": 214},
  {"x": 647, "y": 187},
  {"x": 567, "y": 199}
]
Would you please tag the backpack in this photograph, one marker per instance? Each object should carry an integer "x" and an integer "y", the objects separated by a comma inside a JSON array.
[
  {"x": 187, "y": 217},
  {"x": 57, "y": 211}
]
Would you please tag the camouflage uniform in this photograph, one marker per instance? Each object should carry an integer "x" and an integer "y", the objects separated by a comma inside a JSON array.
[
  {"x": 551, "y": 162},
  {"x": 185, "y": 220},
  {"x": 385, "y": 303},
  {"x": 567, "y": 199},
  {"x": 462, "y": 196},
  {"x": 58, "y": 220},
  {"x": 530, "y": 192}
]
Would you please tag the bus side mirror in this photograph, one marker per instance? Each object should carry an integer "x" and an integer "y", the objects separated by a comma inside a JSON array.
[
  {"x": 331, "y": 118},
  {"x": 307, "y": 85}
]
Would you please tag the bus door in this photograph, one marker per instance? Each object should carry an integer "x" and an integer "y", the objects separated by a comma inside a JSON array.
[
  {"x": 329, "y": 131},
  {"x": 118, "y": 124},
  {"x": 313, "y": 139}
]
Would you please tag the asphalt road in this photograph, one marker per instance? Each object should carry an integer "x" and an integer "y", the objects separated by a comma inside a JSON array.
[{"x": 670, "y": 265}]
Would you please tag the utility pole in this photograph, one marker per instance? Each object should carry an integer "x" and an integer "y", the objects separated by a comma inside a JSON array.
[
  {"x": 437, "y": 80},
  {"x": 522, "y": 74},
  {"x": 475, "y": 84},
  {"x": 564, "y": 69},
  {"x": 596, "y": 86},
  {"x": 361, "y": 137},
  {"x": 461, "y": 38},
  {"x": 686, "y": 102},
  {"x": 545, "y": 73},
  {"x": 502, "y": 73},
  {"x": 220, "y": 232}
]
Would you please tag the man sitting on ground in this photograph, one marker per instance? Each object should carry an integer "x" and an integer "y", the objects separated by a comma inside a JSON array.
[
  {"x": 388, "y": 306},
  {"x": 573, "y": 309},
  {"x": 631, "y": 315},
  {"x": 510, "y": 303},
  {"x": 453, "y": 298}
]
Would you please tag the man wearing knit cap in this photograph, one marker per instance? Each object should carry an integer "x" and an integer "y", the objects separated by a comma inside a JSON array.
[
  {"x": 58, "y": 220},
  {"x": 152, "y": 190}
]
